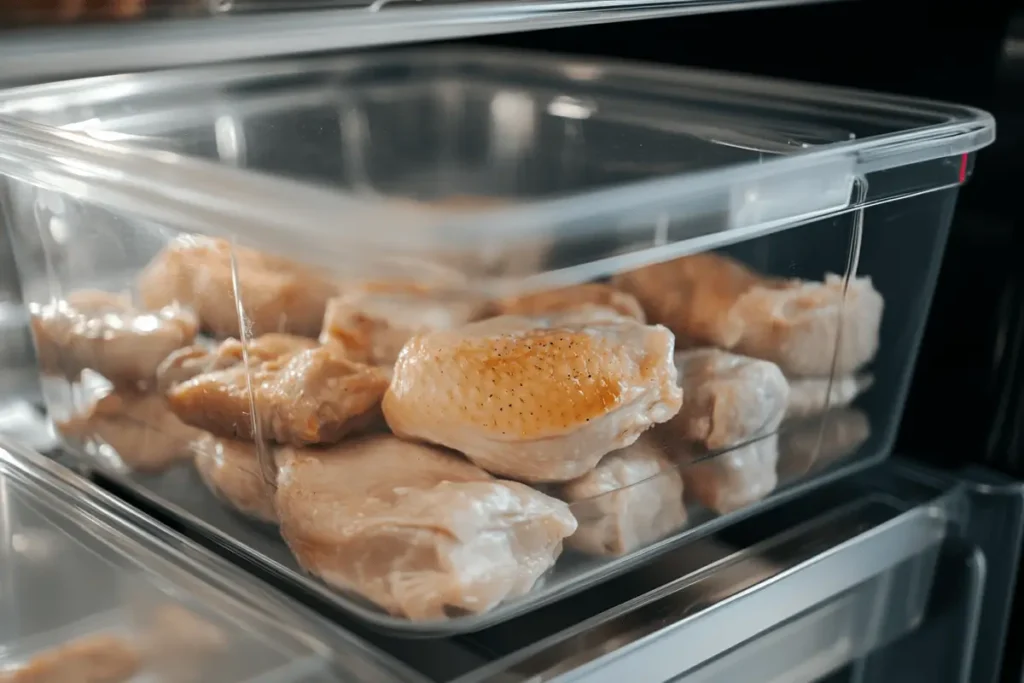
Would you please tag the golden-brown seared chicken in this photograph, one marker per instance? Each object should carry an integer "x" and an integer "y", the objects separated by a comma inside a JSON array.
[
  {"x": 531, "y": 399},
  {"x": 91, "y": 659},
  {"x": 711, "y": 300},
  {"x": 813, "y": 395},
  {"x": 732, "y": 480},
  {"x": 231, "y": 470},
  {"x": 371, "y": 324},
  {"x": 727, "y": 399},
  {"x": 420, "y": 532},
  {"x": 277, "y": 295},
  {"x": 570, "y": 299},
  {"x": 103, "y": 332},
  {"x": 633, "y": 497},
  {"x": 140, "y": 428},
  {"x": 314, "y": 396},
  {"x": 184, "y": 364}
]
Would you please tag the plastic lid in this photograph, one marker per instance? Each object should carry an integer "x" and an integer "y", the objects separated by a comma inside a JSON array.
[
  {"x": 83, "y": 591},
  {"x": 617, "y": 165}
]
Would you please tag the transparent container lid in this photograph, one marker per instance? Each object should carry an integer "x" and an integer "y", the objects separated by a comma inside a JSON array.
[{"x": 86, "y": 595}]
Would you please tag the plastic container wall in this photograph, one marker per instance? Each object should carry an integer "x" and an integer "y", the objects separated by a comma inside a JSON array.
[
  {"x": 748, "y": 269},
  {"x": 84, "y": 599}
]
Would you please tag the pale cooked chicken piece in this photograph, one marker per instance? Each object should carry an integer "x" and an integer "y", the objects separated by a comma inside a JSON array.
[
  {"x": 711, "y": 300},
  {"x": 184, "y": 364},
  {"x": 177, "y": 644},
  {"x": 813, "y": 442},
  {"x": 633, "y": 497},
  {"x": 534, "y": 400},
  {"x": 91, "y": 659},
  {"x": 310, "y": 397},
  {"x": 104, "y": 332},
  {"x": 420, "y": 532},
  {"x": 277, "y": 295},
  {"x": 572, "y": 298},
  {"x": 732, "y": 480},
  {"x": 140, "y": 428},
  {"x": 813, "y": 395},
  {"x": 372, "y": 324},
  {"x": 231, "y": 470},
  {"x": 728, "y": 399}
]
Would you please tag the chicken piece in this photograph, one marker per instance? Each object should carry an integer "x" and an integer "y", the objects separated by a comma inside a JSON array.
[
  {"x": 711, "y": 300},
  {"x": 91, "y": 659},
  {"x": 813, "y": 442},
  {"x": 422, "y": 533},
  {"x": 372, "y": 324},
  {"x": 103, "y": 332},
  {"x": 184, "y": 364},
  {"x": 277, "y": 295},
  {"x": 311, "y": 397},
  {"x": 813, "y": 395},
  {"x": 727, "y": 399},
  {"x": 231, "y": 470},
  {"x": 633, "y": 497},
  {"x": 47, "y": 11},
  {"x": 534, "y": 400},
  {"x": 732, "y": 480},
  {"x": 177, "y": 644},
  {"x": 140, "y": 428},
  {"x": 572, "y": 298}
]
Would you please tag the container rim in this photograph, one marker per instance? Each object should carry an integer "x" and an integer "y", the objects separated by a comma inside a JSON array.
[{"x": 268, "y": 212}]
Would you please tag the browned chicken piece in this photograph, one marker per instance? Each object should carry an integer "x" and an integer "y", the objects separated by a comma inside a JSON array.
[
  {"x": 728, "y": 399},
  {"x": 314, "y": 396},
  {"x": 572, "y": 298},
  {"x": 184, "y": 364},
  {"x": 633, "y": 497},
  {"x": 534, "y": 400},
  {"x": 813, "y": 442},
  {"x": 813, "y": 395},
  {"x": 711, "y": 300},
  {"x": 104, "y": 332},
  {"x": 732, "y": 480},
  {"x": 47, "y": 11},
  {"x": 277, "y": 295},
  {"x": 91, "y": 659},
  {"x": 372, "y": 324},
  {"x": 231, "y": 470},
  {"x": 140, "y": 428},
  {"x": 418, "y": 531}
]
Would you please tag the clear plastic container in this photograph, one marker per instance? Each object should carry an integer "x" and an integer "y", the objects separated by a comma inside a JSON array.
[
  {"x": 786, "y": 237},
  {"x": 88, "y": 597}
]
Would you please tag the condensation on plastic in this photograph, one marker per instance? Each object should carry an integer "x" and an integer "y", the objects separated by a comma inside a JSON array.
[{"x": 472, "y": 175}]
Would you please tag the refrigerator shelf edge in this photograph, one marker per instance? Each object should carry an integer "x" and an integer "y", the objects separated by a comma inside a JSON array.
[{"x": 251, "y": 31}]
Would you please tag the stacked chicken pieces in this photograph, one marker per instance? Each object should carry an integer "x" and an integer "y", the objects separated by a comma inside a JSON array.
[{"x": 431, "y": 451}]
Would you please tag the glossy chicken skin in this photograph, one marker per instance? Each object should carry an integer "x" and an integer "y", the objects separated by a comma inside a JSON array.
[
  {"x": 314, "y": 396},
  {"x": 277, "y": 295},
  {"x": 711, "y": 300},
  {"x": 572, "y": 298},
  {"x": 534, "y": 399},
  {"x": 186, "y": 363},
  {"x": 728, "y": 399},
  {"x": 231, "y": 470},
  {"x": 104, "y": 332},
  {"x": 633, "y": 497},
  {"x": 140, "y": 428},
  {"x": 420, "y": 532},
  {"x": 372, "y": 324}
]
